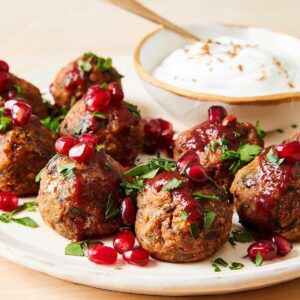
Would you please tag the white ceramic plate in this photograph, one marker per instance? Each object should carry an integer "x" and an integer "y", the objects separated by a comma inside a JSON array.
[{"x": 42, "y": 249}]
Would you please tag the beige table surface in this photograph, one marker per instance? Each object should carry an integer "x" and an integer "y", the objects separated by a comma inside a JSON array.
[{"x": 37, "y": 33}]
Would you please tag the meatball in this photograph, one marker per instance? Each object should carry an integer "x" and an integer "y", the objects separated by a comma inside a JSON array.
[
  {"x": 21, "y": 88},
  {"x": 81, "y": 200},
  {"x": 186, "y": 223},
  {"x": 72, "y": 82},
  {"x": 266, "y": 195},
  {"x": 212, "y": 139},
  {"x": 24, "y": 152},
  {"x": 120, "y": 130}
]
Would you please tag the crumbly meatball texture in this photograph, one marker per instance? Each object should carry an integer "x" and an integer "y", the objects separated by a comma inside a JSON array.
[
  {"x": 267, "y": 197},
  {"x": 209, "y": 141},
  {"x": 73, "y": 80},
  {"x": 122, "y": 132},
  {"x": 85, "y": 204},
  {"x": 164, "y": 218},
  {"x": 28, "y": 92},
  {"x": 24, "y": 152}
]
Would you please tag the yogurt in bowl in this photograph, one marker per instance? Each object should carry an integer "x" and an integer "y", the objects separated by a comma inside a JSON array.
[
  {"x": 229, "y": 66},
  {"x": 252, "y": 72}
]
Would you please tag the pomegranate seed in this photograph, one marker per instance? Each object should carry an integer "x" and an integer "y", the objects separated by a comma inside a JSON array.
[
  {"x": 152, "y": 130},
  {"x": 229, "y": 120},
  {"x": 284, "y": 247},
  {"x": 289, "y": 151},
  {"x": 93, "y": 123},
  {"x": 186, "y": 159},
  {"x": 97, "y": 99},
  {"x": 88, "y": 138},
  {"x": 21, "y": 113},
  {"x": 12, "y": 93},
  {"x": 8, "y": 201},
  {"x": 116, "y": 92},
  {"x": 6, "y": 82},
  {"x": 196, "y": 172},
  {"x": 165, "y": 125},
  {"x": 216, "y": 114},
  {"x": 81, "y": 152},
  {"x": 10, "y": 103},
  {"x": 137, "y": 256},
  {"x": 124, "y": 241},
  {"x": 4, "y": 66},
  {"x": 266, "y": 248},
  {"x": 64, "y": 144},
  {"x": 128, "y": 211},
  {"x": 103, "y": 255}
]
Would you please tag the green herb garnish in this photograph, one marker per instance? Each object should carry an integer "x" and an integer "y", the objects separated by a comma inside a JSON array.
[
  {"x": 4, "y": 123},
  {"x": 66, "y": 169},
  {"x": 19, "y": 90},
  {"x": 85, "y": 65},
  {"x": 172, "y": 184},
  {"x": 99, "y": 148},
  {"x": 199, "y": 196},
  {"x": 259, "y": 131},
  {"x": 194, "y": 230},
  {"x": 99, "y": 115},
  {"x": 240, "y": 237},
  {"x": 220, "y": 261},
  {"x": 25, "y": 221},
  {"x": 111, "y": 209},
  {"x": 236, "y": 266},
  {"x": 134, "y": 109},
  {"x": 242, "y": 156},
  {"x": 209, "y": 218},
  {"x": 216, "y": 267},
  {"x": 74, "y": 249},
  {"x": 258, "y": 259},
  {"x": 184, "y": 215},
  {"x": 273, "y": 158}
]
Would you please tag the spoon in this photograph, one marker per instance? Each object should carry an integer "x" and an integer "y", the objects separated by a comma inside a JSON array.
[{"x": 137, "y": 8}]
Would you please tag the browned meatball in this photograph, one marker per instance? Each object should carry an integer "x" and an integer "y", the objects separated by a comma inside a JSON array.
[
  {"x": 121, "y": 132},
  {"x": 176, "y": 226},
  {"x": 212, "y": 140},
  {"x": 24, "y": 152},
  {"x": 83, "y": 202},
  {"x": 266, "y": 196},
  {"x": 27, "y": 91},
  {"x": 73, "y": 81}
]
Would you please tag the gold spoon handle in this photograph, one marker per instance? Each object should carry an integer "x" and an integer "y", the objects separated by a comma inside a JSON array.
[{"x": 137, "y": 8}]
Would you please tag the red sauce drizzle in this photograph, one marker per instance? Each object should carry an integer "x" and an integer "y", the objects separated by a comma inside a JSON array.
[
  {"x": 274, "y": 180},
  {"x": 181, "y": 195},
  {"x": 204, "y": 133}
]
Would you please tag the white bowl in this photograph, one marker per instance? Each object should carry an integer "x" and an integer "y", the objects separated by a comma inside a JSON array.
[{"x": 273, "y": 111}]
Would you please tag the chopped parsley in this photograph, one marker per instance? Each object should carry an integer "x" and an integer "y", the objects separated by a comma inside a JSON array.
[
  {"x": 111, "y": 210},
  {"x": 194, "y": 230},
  {"x": 199, "y": 196},
  {"x": 80, "y": 248},
  {"x": 258, "y": 259},
  {"x": 259, "y": 131},
  {"x": 242, "y": 156},
  {"x": 53, "y": 121},
  {"x": 136, "y": 185},
  {"x": 25, "y": 221},
  {"x": 85, "y": 65},
  {"x": 134, "y": 109},
  {"x": 184, "y": 215},
  {"x": 216, "y": 267},
  {"x": 66, "y": 169},
  {"x": 172, "y": 184},
  {"x": 99, "y": 148},
  {"x": 19, "y": 91},
  {"x": 209, "y": 218},
  {"x": 99, "y": 115},
  {"x": 273, "y": 158},
  {"x": 236, "y": 266},
  {"x": 5, "y": 123},
  {"x": 221, "y": 262},
  {"x": 73, "y": 101},
  {"x": 238, "y": 236}
]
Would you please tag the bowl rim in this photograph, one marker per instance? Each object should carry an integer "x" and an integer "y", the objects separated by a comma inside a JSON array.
[{"x": 190, "y": 95}]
